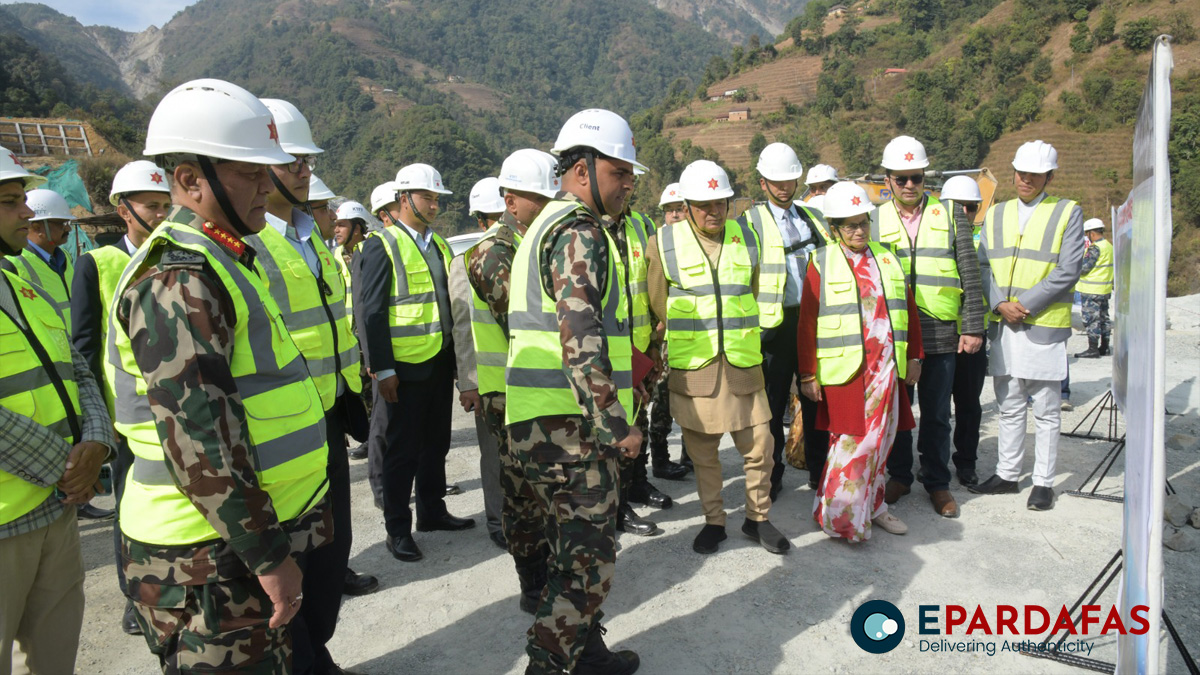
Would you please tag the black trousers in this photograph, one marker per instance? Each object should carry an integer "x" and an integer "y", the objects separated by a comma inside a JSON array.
[
  {"x": 376, "y": 442},
  {"x": 418, "y": 440},
  {"x": 969, "y": 375},
  {"x": 120, "y": 467},
  {"x": 325, "y": 567},
  {"x": 780, "y": 369}
]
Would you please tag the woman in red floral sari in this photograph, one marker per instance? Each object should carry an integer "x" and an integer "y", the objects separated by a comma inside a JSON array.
[{"x": 854, "y": 371}]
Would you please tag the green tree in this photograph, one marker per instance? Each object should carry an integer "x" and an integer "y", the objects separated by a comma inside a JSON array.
[
  {"x": 1138, "y": 35},
  {"x": 1081, "y": 39},
  {"x": 1042, "y": 69},
  {"x": 1124, "y": 101},
  {"x": 1106, "y": 29},
  {"x": 920, "y": 16},
  {"x": 1096, "y": 88},
  {"x": 1179, "y": 25},
  {"x": 757, "y": 143},
  {"x": 860, "y": 149}
]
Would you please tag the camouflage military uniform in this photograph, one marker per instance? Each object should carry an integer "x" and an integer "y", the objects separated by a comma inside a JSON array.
[
  {"x": 201, "y": 607},
  {"x": 1094, "y": 307},
  {"x": 570, "y": 461},
  {"x": 522, "y": 517}
]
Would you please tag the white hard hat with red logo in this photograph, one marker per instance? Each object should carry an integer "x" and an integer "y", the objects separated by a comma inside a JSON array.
[
  {"x": 904, "y": 153},
  {"x": 420, "y": 177},
  {"x": 846, "y": 199},
  {"x": 670, "y": 195},
  {"x": 704, "y": 181},
  {"x": 214, "y": 118},
  {"x": 1093, "y": 224},
  {"x": 11, "y": 169},
  {"x": 295, "y": 135},
  {"x": 820, "y": 173},
  {"x": 140, "y": 176},
  {"x": 601, "y": 130}
]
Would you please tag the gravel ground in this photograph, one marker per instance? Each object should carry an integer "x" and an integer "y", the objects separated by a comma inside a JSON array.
[{"x": 744, "y": 610}]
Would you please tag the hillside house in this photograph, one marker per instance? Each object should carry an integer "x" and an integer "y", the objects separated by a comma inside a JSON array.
[{"x": 739, "y": 115}]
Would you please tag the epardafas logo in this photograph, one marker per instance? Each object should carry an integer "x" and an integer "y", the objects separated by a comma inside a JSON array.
[{"x": 877, "y": 626}]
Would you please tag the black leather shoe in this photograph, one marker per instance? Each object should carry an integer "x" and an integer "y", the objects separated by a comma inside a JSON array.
[
  {"x": 643, "y": 492},
  {"x": 629, "y": 521},
  {"x": 498, "y": 539},
  {"x": 404, "y": 548},
  {"x": 1041, "y": 498},
  {"x": 359, "y": 452},
  {"x": 776, "y": 490},
  {"x": 709, "y": 539},
  {"x": 359, "y": 584},
  {"x": 668, "y": 470},
  {"x": 967, "y": 476},
  {"x": 129, "y": 622},
  {"x": 597, "y": 659},
  {"x": 447, "y": 523},
  {"x": 531, "y": 573},
  {"x": 89, "y": 512},
  {"x": 766, "y": 535},
  {"x": 995, "y": 486},
  {"x": 453, "y": 489}
]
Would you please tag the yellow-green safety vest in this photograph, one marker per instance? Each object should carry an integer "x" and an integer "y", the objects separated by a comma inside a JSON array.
[
  {"x": 284, "y": 416},
  {"x": 772, "y": 275},
  {"x": 44, "y": 392},
  {"x": 32, "y": 268},
  {"x": 710, "y": 311},
  {"x": 313, "y": 309},
  {"x": 537, "y": 384},
  {"x": 638, "y": 229},
  {"x": 491, "y": 345},
  {"x": 110, "y": 263},
  {"x": 1099, "y": 281},
  {"x": 1019, "y": 261},
  {"x": 414, "y": 319},
  {"x": 928, "y": 262},
  {"x": 840, "y": 320}
]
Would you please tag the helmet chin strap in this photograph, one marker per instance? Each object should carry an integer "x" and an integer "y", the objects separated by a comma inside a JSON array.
[
  {"x": 590, "y": 160},
  {"x": 412, "y": 205},
  {"x": 210, "y": 174},
  {"x": 287, "y": 194},
  {"x": 144, "y": 224}
]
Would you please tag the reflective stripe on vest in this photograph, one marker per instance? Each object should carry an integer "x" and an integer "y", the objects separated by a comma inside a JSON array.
[
  {"x": 284, "y": 419},
  {"x": 32, "y": 268},
  {"x": 313, "y": 309},
  {"x": 772, "y": 273},
  {"x": 537, "y": 383},
  {"x": 637, "y": 231},
  {"x": 929, "y": 262},
  {"x": 491, "y": 345},
  {"x": 1099, "y": 281},
  {"x": 414, "y": 319},
  {"x": 110, "y": 263},
  {"x": 840, "y": 321},
  {"x": 710, "y": 312},
  {"x": 1019, "y": 261},
  {"x": 28, "y": 389}
]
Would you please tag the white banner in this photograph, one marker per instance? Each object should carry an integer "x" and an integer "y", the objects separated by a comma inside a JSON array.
[{"x": 1142, "y": 239}]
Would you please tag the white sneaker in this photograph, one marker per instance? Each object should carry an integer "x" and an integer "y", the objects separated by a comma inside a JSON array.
[
  {"x": 889, "y": 523},
  {"x": 1066, "y": 405}
]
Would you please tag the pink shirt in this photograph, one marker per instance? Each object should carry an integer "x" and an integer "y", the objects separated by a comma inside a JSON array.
[{"x": 912, "y": 223}]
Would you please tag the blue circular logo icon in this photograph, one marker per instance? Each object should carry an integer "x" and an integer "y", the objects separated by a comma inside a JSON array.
[{"x": 877, "y": 626}]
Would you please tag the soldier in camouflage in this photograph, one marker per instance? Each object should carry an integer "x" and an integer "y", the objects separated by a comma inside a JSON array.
[
  {"x": 1095, "y": 286},
  {"x": 570, "y": 461},
  {"x": 221, "y": 604}
]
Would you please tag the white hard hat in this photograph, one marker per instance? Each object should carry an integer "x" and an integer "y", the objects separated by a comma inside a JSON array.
[
  {"x": 961, "y": 189},
  {"x": 295, "y": 136},
  {"x": 670, "y": 195},
  {"x": 904, "y": 153},
  {"x": 846, "y": 199},
  {"x": 11, "y": 169},
  {"x": 819, "y": 173},
  {"x": 529, "y": 170},
  {"x": 1036, "y": 157},
  {"x": 318, "y": 191},
  {"x": 704, "y": 181},
  {"x": 349, "y": 210},
  {"x": 485, "y": 197},
  {"x": 601, "y": 130},
  {"x": 47, "y": 205},
  {"x": 816, "y": 202},
  {"x": 382, "y": 195},
  {"x": 215, "y": 119},
  {"x": 420, "y": 177},
  {"x": 140, "y": 176},
  {"x": 1093, "y": 224},
  {"x": 778, "y": 161}
]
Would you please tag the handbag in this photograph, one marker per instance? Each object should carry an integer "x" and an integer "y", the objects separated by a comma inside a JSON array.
[{"x": 793, "y": 449}]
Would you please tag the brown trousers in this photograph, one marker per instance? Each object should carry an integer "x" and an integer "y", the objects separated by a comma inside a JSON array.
[{"x": 755, "y": 443}]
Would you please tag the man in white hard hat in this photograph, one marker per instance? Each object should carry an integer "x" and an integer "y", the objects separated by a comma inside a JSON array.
[
  {"x": 938, "y": 258},
  {"x": 54, "y": 433},
  {"x": 960, "y": 194},
  {"x": 484, "y": 203},
  {"x": 528, "y": 180},
  {"x": 787, "y": 233},
  {"x": 300, "y": 273},
  {"x": 671, "y": 203},
  {"x": 319, "y": 197},
  {"x": 703, "y": 278},
  {"x": 1095, "y": 285},
  {"x": 143, "y": 199},
  {"x": 569, "y": 386},
  {"x": 820, "y": 178},
  {"x": 43, "y": 261},
  {"x": 1031, "y": 252},
  {"x": 406, "y": 324},
  {"x": 227, "y": 494}
]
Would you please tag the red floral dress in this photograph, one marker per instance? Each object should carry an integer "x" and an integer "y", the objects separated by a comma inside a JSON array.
[{"x": 851, "y": 490}]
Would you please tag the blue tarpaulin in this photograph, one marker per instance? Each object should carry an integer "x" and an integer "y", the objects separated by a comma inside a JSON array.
[{"x": 65, "y": 181}]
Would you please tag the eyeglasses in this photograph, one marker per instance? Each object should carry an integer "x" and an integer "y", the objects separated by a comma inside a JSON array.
[
  {"x": 905, "y": 180},
  {"x": 851, "y": 227},
  {"x": 308, "y": 160},
  {"x": 970, "y": 208}
]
